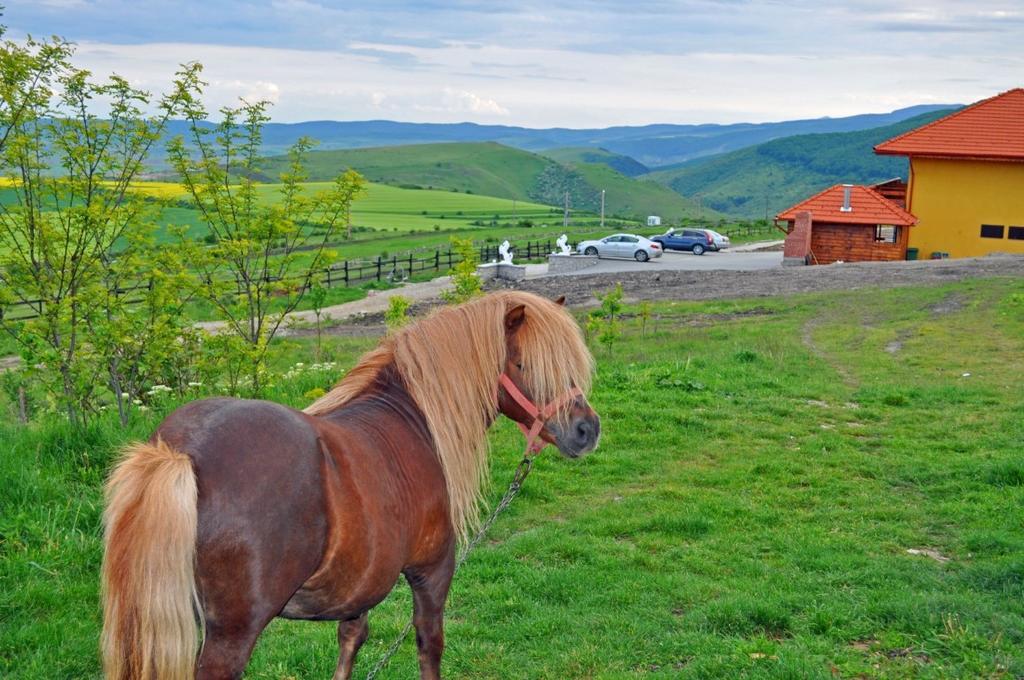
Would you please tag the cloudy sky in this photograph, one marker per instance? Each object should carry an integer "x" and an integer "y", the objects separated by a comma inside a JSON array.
[{"x": 564, "y": 63}]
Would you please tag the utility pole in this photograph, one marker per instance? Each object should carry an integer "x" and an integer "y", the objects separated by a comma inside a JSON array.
[
  {"x": 565, "y": 215},
  {"x": 602, "y": 209}
]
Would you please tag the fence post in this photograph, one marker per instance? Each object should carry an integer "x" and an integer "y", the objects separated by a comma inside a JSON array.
[
  {"x": 328, "y": 277},
  {"x": 409, "y": 272},
  {"x": 449, "y": 258},
  {"x": 437, "y": 259},
  {"x": 378, "y": 267},
  {"x": 346, "y": 273}
]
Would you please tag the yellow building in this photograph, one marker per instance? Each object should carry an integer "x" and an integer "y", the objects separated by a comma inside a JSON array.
[{"x": 966, "y": 182}]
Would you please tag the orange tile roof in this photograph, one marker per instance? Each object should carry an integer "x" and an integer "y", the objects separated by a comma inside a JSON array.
[
  {"x": 869, "y": 207},
  {"x": 992, "y": 129}
]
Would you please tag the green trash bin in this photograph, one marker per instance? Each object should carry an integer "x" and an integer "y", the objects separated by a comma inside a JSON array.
[{"x": 911, "y": 253}]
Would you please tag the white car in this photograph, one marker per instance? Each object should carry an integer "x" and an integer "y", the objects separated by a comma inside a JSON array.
[
  {"x": 622, "y": 245},
  {"x": 721, "y": 240}
]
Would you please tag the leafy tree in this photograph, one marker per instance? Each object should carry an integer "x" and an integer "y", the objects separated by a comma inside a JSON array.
[
  {"x": 355, "y": 188},
  {"x": 266, "y": 244},
  {"x": 70, "y": 218},
  {"x": 139, "y": 328},
  {"x": 464, "y": 277}
]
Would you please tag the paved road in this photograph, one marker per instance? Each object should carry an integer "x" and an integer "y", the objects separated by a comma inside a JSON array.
[{"x": 677, "y": 261}]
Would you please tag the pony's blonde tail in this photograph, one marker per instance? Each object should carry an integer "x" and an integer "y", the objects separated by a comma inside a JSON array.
[{"x": 149, "y": 593}]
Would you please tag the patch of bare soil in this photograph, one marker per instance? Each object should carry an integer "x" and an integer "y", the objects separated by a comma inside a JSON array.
[
  {"x": 948, "y": 305},
  {"x": 723, "y": 285}
]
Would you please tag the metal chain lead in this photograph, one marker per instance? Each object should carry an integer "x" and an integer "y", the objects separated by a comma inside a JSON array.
[{"x": 522, "y": 471}]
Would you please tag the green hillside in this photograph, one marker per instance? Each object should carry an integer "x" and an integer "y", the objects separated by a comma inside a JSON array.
[
  {"x": 639, "y": 197},
  {"x": 630, "y": 167},
  {"x": 775, "y": 175},
  {"x": 492, "y": 169}
]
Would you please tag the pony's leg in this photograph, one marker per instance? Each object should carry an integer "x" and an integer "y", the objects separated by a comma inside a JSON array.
[
  {"x": 226, "y": 651},
  {"x": 429, "y": 592},
  {"x": 351, "y": 636}
]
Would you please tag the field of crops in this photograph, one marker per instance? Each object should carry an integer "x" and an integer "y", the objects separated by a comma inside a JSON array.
[{"x": 814, "y": 486}]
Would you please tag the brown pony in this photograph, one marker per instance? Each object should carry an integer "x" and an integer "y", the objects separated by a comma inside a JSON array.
[{"x": 238, "y": 511}]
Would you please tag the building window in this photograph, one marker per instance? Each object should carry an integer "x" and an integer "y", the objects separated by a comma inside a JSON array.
[
  {"x": 991, "y": 231},
  {"x": 1016, "y": 233},
  {"x": 886, "y": 233}
]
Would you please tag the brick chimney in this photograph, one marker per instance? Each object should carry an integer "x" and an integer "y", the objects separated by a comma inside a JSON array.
[{"x": 798, "y": 242}]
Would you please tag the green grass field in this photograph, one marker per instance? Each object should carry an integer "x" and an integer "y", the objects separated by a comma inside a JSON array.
[
  {"x": 765, "y": 467},
  {"x": 492, "y": 169}
]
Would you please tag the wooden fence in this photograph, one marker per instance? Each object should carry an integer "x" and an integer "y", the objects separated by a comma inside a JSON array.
[{"x": 394, "y": 269}]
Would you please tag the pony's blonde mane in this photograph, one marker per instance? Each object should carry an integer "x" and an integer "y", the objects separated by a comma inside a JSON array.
[{"x": 450, "y": 363}]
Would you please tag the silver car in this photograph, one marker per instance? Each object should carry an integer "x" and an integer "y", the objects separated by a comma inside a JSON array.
[
  {"x": 622, "y": 245},
  {"x": 721, "y": 241}
]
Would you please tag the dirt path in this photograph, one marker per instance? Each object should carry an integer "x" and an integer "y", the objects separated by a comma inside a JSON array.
[{"x": 375, "y": 303}]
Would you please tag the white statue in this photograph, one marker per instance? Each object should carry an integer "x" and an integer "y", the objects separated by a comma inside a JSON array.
[
  {"x": 505, "y": 252},
  {"x": 563, "y": 244}
]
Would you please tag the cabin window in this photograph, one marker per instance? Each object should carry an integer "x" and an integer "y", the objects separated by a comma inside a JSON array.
[
  {"x": 991, "y": 231},
  {"x": 886, "y": 233},
  {"x": 1016, "y": 233}
]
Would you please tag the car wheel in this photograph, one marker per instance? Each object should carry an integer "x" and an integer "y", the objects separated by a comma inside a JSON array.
[
  {"x": 641, "y": 256},
  {"x": 698, "y": 249}
]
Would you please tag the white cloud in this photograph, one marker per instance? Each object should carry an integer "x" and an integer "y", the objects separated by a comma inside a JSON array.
[
  {"x": 461, "y": 101},
  {"x": 546, "y": 86}
]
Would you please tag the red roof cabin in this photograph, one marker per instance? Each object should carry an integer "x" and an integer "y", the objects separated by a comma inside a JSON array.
[{"x": 847, "y": 223}]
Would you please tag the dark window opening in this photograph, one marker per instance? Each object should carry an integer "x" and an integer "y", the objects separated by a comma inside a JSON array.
[
  {"x": 1016, "y": 233},
  {"x": 886, "y": 233},
  {"x": 991, "y": 231}
]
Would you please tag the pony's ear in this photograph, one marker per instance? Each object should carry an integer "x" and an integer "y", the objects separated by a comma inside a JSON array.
[
  {"x": 514, "y": 318},
  {"x": 560, "y": 301}
]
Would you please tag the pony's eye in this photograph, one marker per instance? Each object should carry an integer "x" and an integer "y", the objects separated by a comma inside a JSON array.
[{"x": 519, "y": 365}]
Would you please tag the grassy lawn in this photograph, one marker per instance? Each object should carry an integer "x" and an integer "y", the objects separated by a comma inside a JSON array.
[{"x": 765, "y": 468}]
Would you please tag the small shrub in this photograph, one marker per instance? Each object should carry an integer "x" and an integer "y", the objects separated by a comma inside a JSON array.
[
  {"x": 464, "y": 276},
  {"x": 314, "y": 393},
  {"x": 611, "y": 307},
  {"x": 395, "y": 317},
  {"x": 745, "y": 356}
]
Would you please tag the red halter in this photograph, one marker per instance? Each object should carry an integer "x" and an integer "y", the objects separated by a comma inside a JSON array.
[{"x": 540, "y": 416}]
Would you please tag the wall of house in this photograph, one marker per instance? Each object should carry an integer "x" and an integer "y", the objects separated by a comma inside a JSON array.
[
  {"x": 953, "y": 198},
  {"x": 854, "y": 243}
]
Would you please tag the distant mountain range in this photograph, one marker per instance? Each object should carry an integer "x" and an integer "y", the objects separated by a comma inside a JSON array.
[
  {"x": 650, "y": 145},
  {"x": 675, "y": 171},
  {"x": 768, "y": 178}
]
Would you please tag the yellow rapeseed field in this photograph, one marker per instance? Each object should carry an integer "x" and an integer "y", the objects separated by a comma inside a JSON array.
[{"x": 155, "y": 189}]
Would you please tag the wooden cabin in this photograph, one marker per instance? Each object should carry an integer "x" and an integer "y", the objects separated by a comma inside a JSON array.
[
  {"x": 966, "y": 182},
  {"x": 846, "y": 223}
]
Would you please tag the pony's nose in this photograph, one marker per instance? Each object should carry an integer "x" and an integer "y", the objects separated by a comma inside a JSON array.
[{"x": 585, "y": 433}]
